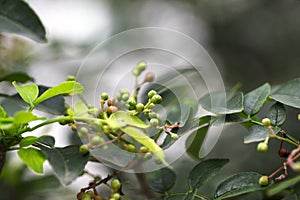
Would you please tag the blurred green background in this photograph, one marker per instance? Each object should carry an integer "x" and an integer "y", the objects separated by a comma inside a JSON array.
[{"x": 251, "y": 42}]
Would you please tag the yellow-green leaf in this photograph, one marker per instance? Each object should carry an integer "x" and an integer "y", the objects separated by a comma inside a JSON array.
[
  {"x": 28, "y": 93},
  {"x": 33, "y": 158}
]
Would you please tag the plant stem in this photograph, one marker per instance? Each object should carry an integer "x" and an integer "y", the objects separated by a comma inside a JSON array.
[{"x": 284, "y": 139}]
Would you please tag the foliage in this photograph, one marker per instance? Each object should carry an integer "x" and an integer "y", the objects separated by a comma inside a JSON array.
[{"x": 116, "y": 132}]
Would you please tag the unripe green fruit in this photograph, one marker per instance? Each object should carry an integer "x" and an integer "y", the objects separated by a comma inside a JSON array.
[
  {"x": 125, "y": 97},
  {"x": 139, "y": 107},
  {"x": 83, "y": 149},
  {"x": 84, "y": 131},
  {"x": 263, "y": 181},
  {"x": 116, "y": 184},
  {"x": 149, "y": 77},
  {"x": 119, "y": 96},
  {"x": 131, "y": 101},
  {"x": 73, "y": 127},
  {"x": 174, "y": 136},
  {"x": 266, "y": 121},
  {"x": 156, "y": 99},
  {"x": 151, "y": 93},
  {"x": 262, "y": 147},
  {"x": 86, "y": 197},
  {"x": 136, "y": 72},
  {"x": 152, "y": 115},
  {"x": 158, "y": 161},
  {"x": 104, "y": 96},
  {"x": 141, "y": 66},
  {"x": 116, "y": 196},
  {"x": 130, "y": 148},
  {"x": 154, "y": 122},
  {"x": 296, "y": 166},
  {"x": 124, "y": 91},
  {"x": 71, "y": 78},
  {"x": 97, "y": 140},
  {"x": 106, "y": 129},
  {"x": 148, "y": 155},
  {"x": 144, "y": 149}
]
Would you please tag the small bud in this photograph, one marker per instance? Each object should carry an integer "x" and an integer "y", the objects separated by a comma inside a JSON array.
[
  {"x": 156, "y": 99},
  {"x": 71, "y": 78},
  {"x": 149, "y": 77},
  {"x": 141, "y": 66},
  {"x": 97, "y": 140},
  {"x": 125, "y": 97},
  {"x": 131, "y": 101},
  {"x": 130, "y": 148},
  {"x": 262, "y": 147},
  {"x": 266, "y": 121},
  {"x": 296, "y": 166},
  {"x": 139, "y": 107},
  {"x": 154, "y": 122},
  {"x": 116, "y": 196},
  {"x": 174, "y": 136},
  {"x": 136, "y": 72},
  {"x": 263, "y": 181},
  {"x": 104, "y": 96},
  {"x": 158, "y": 161},
  {"x": 151, "y": 93},
  {"x": 144, "y": 149},
  {"x": 148, "y": 155},
  {"x": 84, "y": 131}
]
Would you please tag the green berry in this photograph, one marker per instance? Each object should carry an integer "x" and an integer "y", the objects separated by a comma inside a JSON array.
[
  {"x": 299, "y": 117},
  {"x": 130, "y": 148},
  {"x": 131, "y": 101},
  {"x": 263, "y": 181},
  {"x": 174, "y": 136},
  {"x": 141, "y": 66},
  {"x": 116, "y": 196},
  {"x": 151, "y": 93},
  {"x": 116, "y": 184},
  {"x": 149, "y": 77},
  {"x": 84, "y": 131},
  {"x": 158, "y": 161},
  {"x": 262, "y": 147},
  {"x": 296, "y": 166},
  {"x": 125, "y": 97},
  {"x": 71, "y": 78},
  {"x": 148, "y": 155},
  {"x": 124, "y": 91},
  {"x": 139, "y": 107},
  {"x": 156, "y": 99},
  {"x": 136, "y": 72},
  {"x": 86, "y": 196},
  {"x": 119, "y": 96},
  {"x": 97, "y": 140},
  {"x": 104, "y": 96},
  {"x": 83, "y": 149},
  {"x": 106, "y": 129},
  {"x": 154, "y": 122},
  {"x": 266, "y": 121},
  {"x": 152, "y": 115},
  {"x": 144, "y": 149}
]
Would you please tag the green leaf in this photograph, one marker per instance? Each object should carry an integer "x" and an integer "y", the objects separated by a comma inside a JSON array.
[
  {"x": 29, "y": 93},
  {"x": 17, "y": 17},
  {"x": 29, "y": 140},
  {"x": 277, "y": 114},
  {"x": 3, "y": 114},
  {"x": 67, "y": 163},
  {"x": 6, "y": 123},
  {"x": 238, "y": 184},
  {"x": 68, "y": 87},
  {"x": 195, "y": 140},
  {"x": 33, "y": 158},
  {"x": 80, "y": 109},
  {"x": 24, "y": 117},
  {"x": 288, "y": 93},
  {"x": 120, "y": 119},
  {"x": 145, "y": 140},
  {"x": 233, "y": 103},
  {"x": 258, "y": 133},
  {"x": 161, "y": 180},
  {"x": 255, "y": 99},
  {"x": 19, "y": 77},
  {"x": 236, "y": 118},
  {"x": 47, "y": 140},
  {"x": 275, "y": 189},
  {"x": 203, "y": 172}
]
